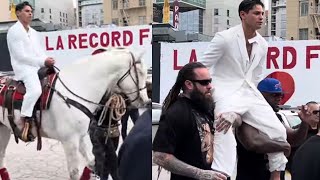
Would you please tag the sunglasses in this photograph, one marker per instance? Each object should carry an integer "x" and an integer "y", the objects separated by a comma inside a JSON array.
[
  {"x": 203, "y": 82},
  {"x": 315, "y": 111}
]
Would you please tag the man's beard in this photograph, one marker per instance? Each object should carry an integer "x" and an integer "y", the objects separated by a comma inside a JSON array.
[{"x": 202, "y": 101}]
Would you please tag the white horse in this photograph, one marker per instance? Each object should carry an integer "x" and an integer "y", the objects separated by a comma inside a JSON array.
[{"x": 113, "y": 71}]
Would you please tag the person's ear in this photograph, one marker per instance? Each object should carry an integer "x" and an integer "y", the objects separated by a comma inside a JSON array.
[{"x": 188, "y": 84}]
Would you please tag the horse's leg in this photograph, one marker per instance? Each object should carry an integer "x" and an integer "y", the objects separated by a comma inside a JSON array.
[
  {"x": 5, "y": 134},
  {"x": 71, "y": 149},
  {"x": 86, "y": 151}
]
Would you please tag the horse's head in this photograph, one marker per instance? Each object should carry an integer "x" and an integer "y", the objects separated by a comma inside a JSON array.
[{"x": 133, "y": 83}]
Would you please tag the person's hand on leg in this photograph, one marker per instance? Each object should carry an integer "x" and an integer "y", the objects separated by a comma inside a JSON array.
[{"x": 225, "y": 120}]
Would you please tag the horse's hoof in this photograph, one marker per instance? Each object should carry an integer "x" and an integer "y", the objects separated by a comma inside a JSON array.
[{"x": 4, "y": 174}]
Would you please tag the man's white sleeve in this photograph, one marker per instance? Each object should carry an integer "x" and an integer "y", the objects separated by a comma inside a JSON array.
[
  {"x": 214, "y": 51},
  {"x": 17, "y": 50}
]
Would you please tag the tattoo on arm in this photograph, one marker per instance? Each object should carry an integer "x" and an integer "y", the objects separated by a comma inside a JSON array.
[{"x": 174, "y": 165}]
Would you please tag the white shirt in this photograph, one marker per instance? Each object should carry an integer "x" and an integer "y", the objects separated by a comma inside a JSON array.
[{"x": 26, "y": 53}]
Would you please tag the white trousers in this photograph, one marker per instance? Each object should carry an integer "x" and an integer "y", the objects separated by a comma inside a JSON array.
[
  {"x": 33, "y": 92},
  {"x": 255, "y": 111}
]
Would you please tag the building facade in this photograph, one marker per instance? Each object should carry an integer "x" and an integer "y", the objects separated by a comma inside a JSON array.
[
  {"x": 277, "y": 24},
  {"x": 57, "y": 12},
  {"x": 303, "y": 19},
  {"x": 220, "y": 15},
  {"x": 128, "y": 12},
  {"x": 4, "y": 10},
  {"x": 190, "y": 21},
  {"x": 46, "y": 11},
  {"x": 190, "y": 14},
  {"x": 90, "y": 13}
]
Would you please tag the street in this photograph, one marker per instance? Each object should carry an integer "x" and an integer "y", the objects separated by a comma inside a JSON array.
[{"x": 24, "y": 162}]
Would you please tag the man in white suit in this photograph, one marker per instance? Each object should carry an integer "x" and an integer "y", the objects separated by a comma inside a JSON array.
[
  {"x": 237, "y": 57},
  {"x": 27, "y": 56}
]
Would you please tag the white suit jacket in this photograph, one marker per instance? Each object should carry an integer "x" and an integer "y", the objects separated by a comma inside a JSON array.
[
  {"x": 26, "y": 53},
  {"x": 228, "y": 60}
]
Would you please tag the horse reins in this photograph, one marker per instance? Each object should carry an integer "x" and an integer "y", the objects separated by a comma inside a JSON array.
[
  {"x": 128, "y": 73},
  {"x": 118, "y": 84}
]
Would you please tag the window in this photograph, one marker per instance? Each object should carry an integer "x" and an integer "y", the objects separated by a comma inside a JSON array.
[
  {"x": 304, "y": 8},
  {"x": 228, "y": 13},
  {"x": 60, "y": 20},
  {"x": 126, "y": 21},
  {"x": 50, "y": 10},
  {"x": 60, "y": 14},
  {"x": 66, "y": 15},
  {"x": 303, "y": 34},
  {"x": 42, "y": 10},
  {"x": 216, "y": 20},
  {"x": 142, "y": 2},
  {"x": 228, "y": 23},
  {"x": 115, "y": 21},
  {"x": 142, "y": 20},
  {"x": 216, "y": 12},
  {"x": 114, "y": 4},
  {"x": 50, "y": 17}
]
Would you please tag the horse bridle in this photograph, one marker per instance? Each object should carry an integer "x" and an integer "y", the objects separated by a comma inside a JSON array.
[{"x": 128, "y": 73}]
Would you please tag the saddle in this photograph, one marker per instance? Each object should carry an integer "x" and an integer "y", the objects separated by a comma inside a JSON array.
[{"x": 11, "y": 98}]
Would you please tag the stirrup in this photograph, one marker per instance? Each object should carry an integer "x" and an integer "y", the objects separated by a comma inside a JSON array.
[{"x": 24, "y": 134}]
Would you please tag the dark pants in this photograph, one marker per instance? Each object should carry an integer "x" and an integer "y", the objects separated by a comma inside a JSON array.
[
  {"x": 134, "y": 115},
  {"x": 282, "y": 175},
  {"x": 105, "y": 153}
]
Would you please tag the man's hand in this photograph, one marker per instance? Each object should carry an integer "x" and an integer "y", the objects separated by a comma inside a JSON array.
[
  {"x": 49, "y": 62},
  {"x": 211, "y": 175},
  {"x": 225, "y": 120},
  {"x": 287, "y": 149},
  {"x": 307, "y": 116}
]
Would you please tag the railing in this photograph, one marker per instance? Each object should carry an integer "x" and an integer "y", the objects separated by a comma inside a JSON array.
[{"x": 315, "y": 9}]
